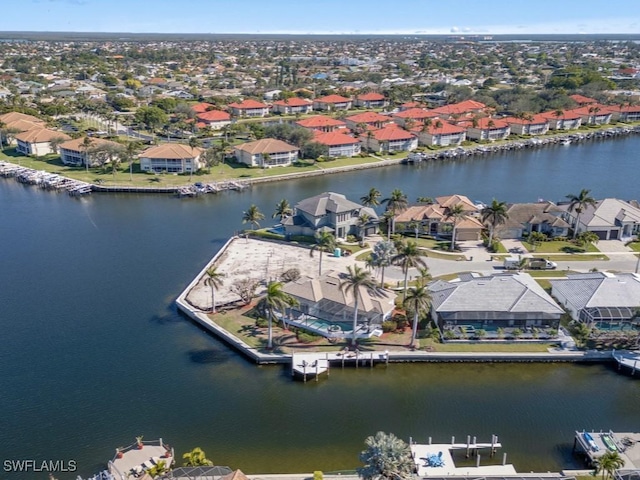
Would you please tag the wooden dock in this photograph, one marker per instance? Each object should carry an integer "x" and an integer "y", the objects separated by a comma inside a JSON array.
[
  {"x": 631, "y": 360},
  {"x": 311, "y": 365}
]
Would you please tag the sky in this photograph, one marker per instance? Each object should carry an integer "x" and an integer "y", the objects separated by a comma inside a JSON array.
[{"x": 324, "y": 16}]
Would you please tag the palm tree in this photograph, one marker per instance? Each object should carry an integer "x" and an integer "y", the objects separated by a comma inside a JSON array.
[
  {"x": 325, "y": 242},
  {"x": 455, "y": 213},
  {"x": 363, "y": 220},
  {"x": 579, "y": 203},
  {"x": 587, "y": 238},
  {"x": 382, "y": 256},
  {"x": 396, "y": 202},
  {"x": 418, "y": 299},
  {"x": 55, "y": 143},
  {"x": 283, "y": 210},
  {"x": 356, "y": 280},
  {"x": 386, "y": 458},
  {"x": 495, "y": 214},
  {"x": 275, "y": 300},
  {"x": 609, "y": 462},
  {"x": 371, "y": 199},
  {"x": 86, "y": 145},
  {"x": 408, "y": 256},
  {"x": 130, "y": 152},
  {"x": 193, "y": 143},
  {"x": 252, "y": 216},
  {"x": 196, "y": 458},
  {"x": 215, "y": 281}
]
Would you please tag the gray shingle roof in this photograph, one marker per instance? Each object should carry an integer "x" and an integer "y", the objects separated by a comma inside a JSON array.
[
  {"x": 327, "y": 202},
  {"x": 589, "y": 290}
]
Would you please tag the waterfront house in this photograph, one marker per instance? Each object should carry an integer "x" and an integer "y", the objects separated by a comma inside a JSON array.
[
  {"x": 459, "y": 109},
  {"x": 370, "y": 100},
  {"x": 249, "y": 108},
  {"x": 600, "y": 299},
  {"x": 339, "y": 144},
  {"x": 10, "y": 117},
  {"x": 266, "y": 153},
  {"x": 413, "y": 116},
  {"x": 625, "y": 113},
  {"x": 433, "y": 219},
  {"x": 322, "y": 123},
  {"x": 593, "y": 114},
  {"x": 440, "y": 133},
  {"x": 533, "y": 125},
  {"x": 525, "y": 218},
  {"x": 367, "y": 120},
  {"x": 330, "y": 212},
  {"x": 75, "y": 153},
  {"x": 487, "y": 128},
  {"x": 563, "y": 120},
  {"x": 332, "y": 103},
  {"x": 292, "y": 106},
  {"x": 391, "y": 138},
  {"x": 474, "y": 302},
  {"x": 609, "y": 219},
  {"x": 322, "y": 299},
  {"x": 171, "y": 158},
  {"x": 214, "y": 119},
  {"x": 38, "y": 141}
]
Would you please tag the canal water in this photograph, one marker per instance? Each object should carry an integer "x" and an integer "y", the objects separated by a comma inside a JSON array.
[{"x": 94, "y": 353}]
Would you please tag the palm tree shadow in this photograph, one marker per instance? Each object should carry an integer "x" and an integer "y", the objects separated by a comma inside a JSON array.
[{"x": 209, "y": 356}]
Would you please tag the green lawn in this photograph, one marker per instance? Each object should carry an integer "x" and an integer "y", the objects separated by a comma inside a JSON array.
[
  {"x": 635, "y": 246},
  {"x": 555, "y": 246},
  {"x": 574, "y": 257},
  {"x": 485, "y": 347},
  {"x": 501, "y": 248},
  {"x": 444, "y": 256}
]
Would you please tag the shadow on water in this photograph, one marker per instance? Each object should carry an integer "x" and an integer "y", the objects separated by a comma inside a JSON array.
[
  {"x": 210, "y": 356},
  {"x": 171, "y": 316}
]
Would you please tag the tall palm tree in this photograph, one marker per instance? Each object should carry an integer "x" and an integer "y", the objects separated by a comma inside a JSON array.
[
  {"x": 196, "y": 458},
  {"x": 283, "y": 210},
  {"x": 371, "y": 199},
  {"x": 55, "y": 143},
  {"x": 130, "y": 151},
  {"x": 275, "y": 300},
  {"x": 253, "y": 216},
  {"x": 408, "y": 256},
  {"x": 215, "y": 281},
  {"x": 579, "y": 203},
  {"x": 382, "y": 257},
  {"x": 363, "y": 221},
  {"x": 609, "y": 462},
  {"x": 86, "y": 145},
  {"x": 357, "y": 279},
  {"x": 193, "y": 143},
  {"x": 456, "y": 213},
  {"x": 325, "y": 242},
  {"x": 495, "y": 214},
  {"x": 418, "y": 299},
  {"x": 396, "y": 202}
]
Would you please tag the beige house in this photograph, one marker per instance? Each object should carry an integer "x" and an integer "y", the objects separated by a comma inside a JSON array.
[
  {"x": 440, "y": 133},
  {"x": 534, "y": 125},
  {"x": 266, "y": 153},
  {"x": 171, "y": 158},
  {"x": 38, "y": 141},
  {"x": 74, "y": 153},
  {"x": 487, "y": 128}
]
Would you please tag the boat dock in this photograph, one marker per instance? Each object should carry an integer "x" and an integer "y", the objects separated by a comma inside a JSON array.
[
  {"x": 311, "y": 365},
  {"x": 436, "y": 459},
  {"x": 595, "y": 444},
  {"x": 630, "y": 360},
  {"x": 44, "y": 180}
]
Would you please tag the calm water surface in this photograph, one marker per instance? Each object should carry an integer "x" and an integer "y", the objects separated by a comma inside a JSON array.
[{"x": 93, "y": 352}]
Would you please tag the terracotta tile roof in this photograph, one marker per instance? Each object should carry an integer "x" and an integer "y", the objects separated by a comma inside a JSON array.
[
  {"x": 449, "y": 201},
  {"x": 235, "y": 475},
  {"x": 460, "y": 108},
  {"x": 392, "y": 132},
  {"x": 40, "y": 135},
  {"x": 171, "y": 151},
  {"x": 483, "y": 123},
  {"x": 445, "y": 128},
  {"x": 15, "y": 116},
  {"x": 248, "y": 104},
  {"x": 535, "y": 120},
  {"x": 566, "y": 115},
  {"x": 625, "y": 108},
  {"x": 202, "y": 107},
  {"x": 214, "y": 116},
  {"x": 76, "y": 144},
  {"x": 266, "y": 145},
  {"x": 24, "y": 125},
  {"x": 368, "y": 117},
  {"x": 333, "y": 99},
  {"x": 320, "y": 121},
  {"x": 408, "y": 105},
  {"x": 333, "y": 139},
  {"x": 582, "y": 100},
  {"x": 370, "y": 97},
  {"x": 416, "y": 114},
  {"x": 590, "y": 110},
  {"x": 293, "y": 102}
]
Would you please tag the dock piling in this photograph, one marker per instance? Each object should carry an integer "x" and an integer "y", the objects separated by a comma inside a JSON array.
[
  {"x": 504, "y": 458},
  {"x": 478, "y": 460},
  {"x": 468, "y": 445}
]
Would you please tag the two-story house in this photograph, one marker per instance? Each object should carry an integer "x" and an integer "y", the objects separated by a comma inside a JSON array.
[
  {"x": 332, "y": 103},
  {"x": 171, "y": 158},
  {"x": 249, "y": 108},
  {"x": 38, "y": 141},
  {"x": 266, "y": 153},
  {"x": 371, "y": 100},
  {"x": 292, "y": 106}
]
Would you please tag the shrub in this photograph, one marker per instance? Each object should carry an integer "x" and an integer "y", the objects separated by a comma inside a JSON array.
[
  {"x": 351, "y": 239},
  {"x": 449, "y": 335},
  {"x": 302, "y": 239},
  {"x": 516, "y": 333},
  {"x": 267, "y": 235},
  {"x": 290, "y": 275},
  {"x": 317, "y": 475},
  {"x": 401, "y": 321},
  {"x": 262, "y": 322},
  {"x": 389, "y": 326},
  {"x": 305, "y": 336}
]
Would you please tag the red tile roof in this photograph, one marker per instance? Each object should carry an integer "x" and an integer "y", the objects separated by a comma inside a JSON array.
[
  {"x": 483, "y": 123},
  {"x": 416, "y": 113},
  {"x": 333, "y": 139},
  {"x": 594, "y": 109},
  {"x": 625, "y": 108},
  {"x": 535, "y": 120},
  {"x": 214, "y": 116},
  {"x": 566, "y": 115},
  {"x": 582, "y": 100},
  {"x": 460, "y": 108},
  {"x": 392, "y": 132},
  {"x": 444, "y": 128},
  {"x": 201, "y": 107},
  {"x": 368, "y": 117},
  {"x": 370, "y": 97},
  {"x": 293, "y": 102},
  {"x": 333, "y": 99},
  {"x": 320, "y": 121},
  {"x": 248, "y": 104}
]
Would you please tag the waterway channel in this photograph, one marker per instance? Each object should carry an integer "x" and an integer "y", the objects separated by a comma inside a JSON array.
[{"x": 94, "y": 353}]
